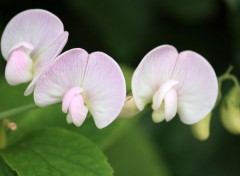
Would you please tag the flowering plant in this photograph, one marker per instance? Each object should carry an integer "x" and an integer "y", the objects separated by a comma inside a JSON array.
[{"x": 93, "y": 87}]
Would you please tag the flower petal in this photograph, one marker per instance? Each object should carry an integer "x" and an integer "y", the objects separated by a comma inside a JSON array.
[
  {"x": 197, "y": 89},
  {"x": 104, "y": 88},
  {"x": 159, "y": 95},
  {"x": 69, "y": 95},
  {"x": 19, "y": 67},
  {"x": 45, "y": 58},
  {"x": 66, "y": 71},
  {"x": 155, "y": 69},
  {"x": 170, "y": 102},
  {"x": 37, "y": 27},
  {"x": 77, "y": 110}
]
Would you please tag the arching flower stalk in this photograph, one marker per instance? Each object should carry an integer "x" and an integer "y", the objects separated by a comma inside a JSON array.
[
  {"x": 30, "y": 41},
  {"x": 83, "y": 82},
  {"x": 175, "y": 82}
]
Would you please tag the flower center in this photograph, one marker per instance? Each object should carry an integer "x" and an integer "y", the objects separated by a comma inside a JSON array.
[
  {"x": 165, "y": 102},
  {"x": 73, "y": 105},
  {"x": 19, "y": 65}
]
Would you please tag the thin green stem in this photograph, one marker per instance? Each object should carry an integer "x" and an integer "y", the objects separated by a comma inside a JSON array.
[
  {"x": 3, "y": 139},
  {"x": 229, "y": 77},
  {"x": 226, "y": 76},
  {"x": 18, "y": 110}
]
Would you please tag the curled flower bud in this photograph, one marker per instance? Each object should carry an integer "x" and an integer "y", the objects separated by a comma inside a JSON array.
[
  {"x": 201, "y": 130},
  {"x": 129, "y": 109},
  {"x": 230, "y": 112}
]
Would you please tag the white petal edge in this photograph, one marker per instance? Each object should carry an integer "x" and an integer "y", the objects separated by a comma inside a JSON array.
[
  {"x": 197, "y": 89},
  {"x": 160, "y": 94},
  {"x": 170, "y": 105}
]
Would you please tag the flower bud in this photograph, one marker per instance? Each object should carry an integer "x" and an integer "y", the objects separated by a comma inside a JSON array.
[
  {"x": 129, "y": 109},
  {"x": 230, "y": 112},
  {"x": 201, "y": 130}
]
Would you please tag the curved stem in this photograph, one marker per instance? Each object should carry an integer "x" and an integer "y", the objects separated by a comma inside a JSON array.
[{"x": 14, "y": 111}]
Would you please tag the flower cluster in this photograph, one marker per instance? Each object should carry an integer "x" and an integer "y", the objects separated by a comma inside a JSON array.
[{"x": 172, "y": 82}]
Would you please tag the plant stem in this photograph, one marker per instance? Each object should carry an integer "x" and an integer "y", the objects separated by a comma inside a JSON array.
[
  {"x": 3, "y": 139},
  {"x": 14, "y": 111}
]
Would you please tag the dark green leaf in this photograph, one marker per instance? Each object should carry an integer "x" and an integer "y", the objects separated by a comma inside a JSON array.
[
  {"x": 56, "y": 152},
  {"x": 5, "y": 170}
]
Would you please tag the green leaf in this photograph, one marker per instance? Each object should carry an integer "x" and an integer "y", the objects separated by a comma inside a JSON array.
[
  {"x": 56, "y": 152},
  {"x": 53, "y": 117},
  {"x": 5, "y": 170},
  {"x": 139, "y": 155}
]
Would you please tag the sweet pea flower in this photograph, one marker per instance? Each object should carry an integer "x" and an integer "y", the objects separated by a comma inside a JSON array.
[
  {"x": 30, "y": 41},
  {"x": 83, "y": 82},
  {"x": 175, "y": 82}
]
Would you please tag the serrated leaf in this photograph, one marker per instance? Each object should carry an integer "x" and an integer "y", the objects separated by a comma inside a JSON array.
[
  {"x": 5, "y": 170},
  {"x": 56, "y": 152}
]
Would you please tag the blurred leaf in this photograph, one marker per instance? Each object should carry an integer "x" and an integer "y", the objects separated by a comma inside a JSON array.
[
  {"x": 232, "y": 4},
  {"x": 56, "y": 152},
  {"x": 136, "y": 154},
  {"x": 12, "y": 96},
  {"x": 5, "y": 170}
]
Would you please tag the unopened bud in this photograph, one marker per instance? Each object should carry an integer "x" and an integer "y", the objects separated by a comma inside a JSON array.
[
  {"x": 230, "y": 112},
  {"x": 129, "y": 109},
  {"x": 201, "y": 130}
]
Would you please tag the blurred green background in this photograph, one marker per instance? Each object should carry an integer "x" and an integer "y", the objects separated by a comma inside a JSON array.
[{"x": 127, "y": 30}]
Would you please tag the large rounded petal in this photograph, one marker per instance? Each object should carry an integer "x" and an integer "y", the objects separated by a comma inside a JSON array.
[
  {"x": 66, "y": 71},
  {"x": 154, "y": 70},
  {"x": 45, "y": 58},
  {"x": 105, "y": 88},
  {"x": 37, "y": 27},
  {"x": 197, "y": 89}
]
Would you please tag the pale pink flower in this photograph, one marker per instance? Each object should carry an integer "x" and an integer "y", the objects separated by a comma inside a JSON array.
[
  {"x": 83, "y": 82},
  {"x": 183, "y": 83},
  {"x": 30, "y": 41}
]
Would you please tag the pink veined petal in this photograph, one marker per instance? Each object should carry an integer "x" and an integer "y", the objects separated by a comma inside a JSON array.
[
  {"x": 19, "y": 67},
  {"x": 161, "y": 93},
  {"x": 69, "y": 96},
  {"x": 65, "y": 72},
  {"x": 155, "y": 69},
  {"x": 27, "y": 47},
  {"x": 104, "y": 88},
  {"x": 38, "y": 27},
  {"x": 77, "y": 110},
  {"x": 197, "y": 89},
  {"x": 170, "y": 102},
  {"x": 45, "y": 58}
]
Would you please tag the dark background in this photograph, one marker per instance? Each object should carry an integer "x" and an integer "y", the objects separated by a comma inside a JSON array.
[{"x": 128, "y": 29}]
